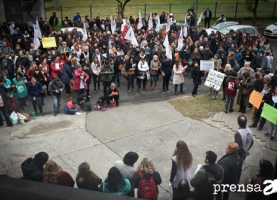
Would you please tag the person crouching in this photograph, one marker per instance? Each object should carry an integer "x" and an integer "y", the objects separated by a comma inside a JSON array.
[
  {"x": 101, "y": 104},
  {"x": 113, "y": 94}
]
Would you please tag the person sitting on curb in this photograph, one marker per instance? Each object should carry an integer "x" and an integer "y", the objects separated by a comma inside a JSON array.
[
  {"x": 83, "y": 102},
  {"x": 70, "y": 108},
  {"x": 101, "y": 104}
]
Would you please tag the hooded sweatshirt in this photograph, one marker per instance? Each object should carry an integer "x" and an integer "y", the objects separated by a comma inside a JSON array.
[{"x": 204, "y": 179}]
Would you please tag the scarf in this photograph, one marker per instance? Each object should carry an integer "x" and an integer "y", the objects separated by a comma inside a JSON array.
[
  {"x": 274, "y": 99},
  {"x": 264, "y": 92}
]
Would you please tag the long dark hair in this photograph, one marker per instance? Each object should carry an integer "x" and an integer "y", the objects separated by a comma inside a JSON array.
[
  {"x": 114, "y": 180},
  {"x": 266, "y": 169},
  {"x": 85, "y": 176}
]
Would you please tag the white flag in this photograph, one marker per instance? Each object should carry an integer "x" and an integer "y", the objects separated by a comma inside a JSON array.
[
  {"x": 167, "y": 25},
  {"x": 131, "y": 36},
  {"x": 150, "y": 21},
  {"x": 113, "y": 25},
  {"x": 158, "y": 21},
  {"x": 85, "y": 35},
  {"x": 37, "y": 35},
  {"x": 180, "y": 40},
  {"x": 185, "y": 30},
  {"x": 168, "y": 52},
  {"x": 140, "y": 22},
  {"x": 199, "y": 20}
]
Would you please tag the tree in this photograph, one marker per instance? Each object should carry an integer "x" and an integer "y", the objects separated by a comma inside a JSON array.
[
  {"x": 122, "y": 6},
  {"x": 28, "y": 7},
  {"x": 252, "y": 6}
]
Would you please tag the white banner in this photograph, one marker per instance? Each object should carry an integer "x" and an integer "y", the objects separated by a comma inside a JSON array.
[
  {"x": 180, "y": 40},
  {"x": 150, "y": 21},
  {"x": 214, "y": 80},
  {"x": 206, "y": 65},
  {"x": 140, "y": 25},
  {"x": 113, "y": 25}
]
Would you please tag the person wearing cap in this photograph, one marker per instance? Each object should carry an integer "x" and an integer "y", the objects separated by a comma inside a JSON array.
[
  {"x": 32, "y": 168},
  {"x": 56, "y": 88},
  {"x": 208, "y": 16}
]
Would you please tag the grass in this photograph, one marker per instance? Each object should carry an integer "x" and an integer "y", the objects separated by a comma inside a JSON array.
[
  {"x": 104, "y": 8},
  {"x": 199, "y": 107}
]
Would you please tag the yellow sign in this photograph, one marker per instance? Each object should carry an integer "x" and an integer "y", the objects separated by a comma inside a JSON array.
[{"x": 49, "y": 42}]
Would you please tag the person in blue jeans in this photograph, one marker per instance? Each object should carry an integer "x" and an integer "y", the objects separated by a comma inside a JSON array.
[
  {"x": 71, "y": 107},
  {"x": 56, "y": 88}
]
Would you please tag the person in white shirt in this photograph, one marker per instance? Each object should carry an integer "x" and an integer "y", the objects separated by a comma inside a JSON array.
[{"x": 143, "y": 68}]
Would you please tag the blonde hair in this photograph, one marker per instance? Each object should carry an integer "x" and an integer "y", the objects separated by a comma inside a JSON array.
[
  {"x": 146, "y": 165},
  {"x": 74, "y": 61},
  {"x": 233, "y": 147},
  {"x": 228, "y": 67},
  {"x": 52, "y": 172}
]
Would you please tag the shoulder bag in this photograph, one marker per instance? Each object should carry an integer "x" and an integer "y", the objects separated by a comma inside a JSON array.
[{"x": 71, "y": 81}]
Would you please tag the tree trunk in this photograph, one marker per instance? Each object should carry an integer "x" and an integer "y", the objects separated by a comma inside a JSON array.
[{"x": 255, "y": 13}]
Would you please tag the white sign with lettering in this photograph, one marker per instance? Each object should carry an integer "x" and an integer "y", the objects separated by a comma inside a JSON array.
[
  {"x": 206, "y": 65},
  {"x": 214, "y": 80}
]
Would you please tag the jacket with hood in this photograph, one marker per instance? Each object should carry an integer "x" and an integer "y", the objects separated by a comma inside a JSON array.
[
  {"x": 231, "y": 86},
  {"x": 53, "y": 86},
  {"x": 204, "y": 179},
  {"x": 32, "y": 168}
]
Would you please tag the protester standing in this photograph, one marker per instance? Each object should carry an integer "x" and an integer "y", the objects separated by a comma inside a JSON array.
[{"x": 56, "y": 88}]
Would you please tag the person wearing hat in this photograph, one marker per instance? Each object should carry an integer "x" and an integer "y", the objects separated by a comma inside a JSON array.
[
  {"x": 32, "y": 168},
  {"x": 56, "y": 88},
  {"x": 208, "y": 16}
]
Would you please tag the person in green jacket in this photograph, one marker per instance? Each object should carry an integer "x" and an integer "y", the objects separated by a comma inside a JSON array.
[
  {"x": 21, "y": 90},
  {"x": 106, "y": 76}
]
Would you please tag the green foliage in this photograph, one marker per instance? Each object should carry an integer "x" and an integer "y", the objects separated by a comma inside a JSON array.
[{"x": 250, "y": 5}]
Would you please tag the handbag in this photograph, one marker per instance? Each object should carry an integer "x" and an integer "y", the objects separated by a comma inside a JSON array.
[
  {"x": 44, "y": 89},
  {"x": 139, "y": 73},
  {"x": 245, "y": 90},
  {"x": 120, "y": 67}
]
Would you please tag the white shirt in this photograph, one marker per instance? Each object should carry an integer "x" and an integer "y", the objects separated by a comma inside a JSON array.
[{"x": 126, "y": 171}]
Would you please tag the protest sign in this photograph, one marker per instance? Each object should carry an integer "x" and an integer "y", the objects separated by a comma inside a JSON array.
[
  {"x": 256, "y": 99},
  {"x": 49, "y": 42},
  {"x": 269, "y": 113},
  {"x": 206, "y": 65},
  {"x": 214, "y": 80}
]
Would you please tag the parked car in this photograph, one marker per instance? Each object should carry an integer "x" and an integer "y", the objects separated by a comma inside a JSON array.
[
  {"x": 243, "y": 28},
  {"x": 220, "y": 26},
  {"x": 271, "y": 30},
  {"x": 80, "y": 30},
  {"x": 158, "y": 28}
]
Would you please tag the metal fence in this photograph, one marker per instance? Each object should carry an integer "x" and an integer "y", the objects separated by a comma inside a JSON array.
[{"x": 230, "y": 10}]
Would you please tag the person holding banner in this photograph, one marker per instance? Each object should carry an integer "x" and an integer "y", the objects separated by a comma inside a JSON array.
[
  {"x": 273, "y": 127},
  {"x": 267, "y": 97}
]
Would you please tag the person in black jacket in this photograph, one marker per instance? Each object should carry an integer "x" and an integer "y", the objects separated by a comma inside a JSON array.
[
  {"x": 112, "y": 94},
  {"x": 230, "y": 163},
  {"x": 208, "y": 16},
  {"x": 3, "y": 106},
  {"x": 34, "y": 90},
  {"x": 166, "y": 72},
  {"x": 53, "y": 21},
  {"x": 196, "y": 78},
  {"x": 273, "y": 81},
  {"x": 32, "y": 168},
  {"x": 256, "y": 61},
  {"x": 87, "y": 179}
]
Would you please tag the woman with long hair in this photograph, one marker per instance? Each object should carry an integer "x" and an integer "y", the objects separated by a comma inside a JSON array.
[
  {"x": 87, "y": 179},
  {"x": 54, "y": 174},
  {"x": 178, "y": 77},
  {"x": 116, "y": 184},
  {"x": 265, "y": 169},
  {"x": 181, "y": 163},
  {"x": 95, "y": 68},
  {"x": 146, "y": 170}
]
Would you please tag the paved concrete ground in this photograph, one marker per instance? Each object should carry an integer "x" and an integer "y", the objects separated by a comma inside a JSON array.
[{"x": 101, "y": 138}]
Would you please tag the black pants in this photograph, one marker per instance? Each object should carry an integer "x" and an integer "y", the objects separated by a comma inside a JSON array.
[
  {"x": 96, "y": 80},
  {"x": 207, "y": 20},
  {"x": 242, "y": 107},
  {"x": 7, "y": 118},
  {"x": 106, "y": 84},
  {"x": 67, "y": 88},
  {"x": 143, "y": 82},
  {"x": 194, "y": 91},
  {"x": 166, "y": 78},
  {"x": 131, "y": 79},
  {"x": 37, "y": 105}
]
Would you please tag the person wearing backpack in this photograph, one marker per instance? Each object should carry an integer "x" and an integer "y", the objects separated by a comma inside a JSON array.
[{"x": 146, "y": 180}]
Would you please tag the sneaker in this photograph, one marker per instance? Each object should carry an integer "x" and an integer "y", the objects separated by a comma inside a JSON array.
[
  {"x": 267, "y": 134},
  {"x": 193, "y": 95},
  {"x": 163, "y": 92},
  {"x": 225, "y": 111},
  {"x": 231, "y": 110},
  {"x": 272, "y": 138}
]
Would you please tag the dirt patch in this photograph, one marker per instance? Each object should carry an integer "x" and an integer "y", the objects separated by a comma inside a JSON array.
[{"x": 49, "y": 127}]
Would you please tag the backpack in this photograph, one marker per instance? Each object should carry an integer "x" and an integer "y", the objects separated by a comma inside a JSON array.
[{"x": 147, "y": 188}]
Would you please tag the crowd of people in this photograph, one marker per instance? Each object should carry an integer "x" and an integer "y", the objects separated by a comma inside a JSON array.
[{"x": 123, "y": 178}]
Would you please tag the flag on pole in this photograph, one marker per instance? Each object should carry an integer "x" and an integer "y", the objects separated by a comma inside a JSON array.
[
  {"x": 168, "y": 52},
  {"x": 185, "y": 27},
  {"x": 37, "y": 35},
  {"x": 140, "y": 25},
  {"x": 158, "y": 21},
  {"x": 85, "y": 35},
  {"x": 167, "y": 25},
  {"x": 199, "y": 20},
  {"x": 180, "y": 40},
  {"x": 131, "y": 36},
  {"x": 113, "y": 24},
  {"x": 150, "y": 21}
]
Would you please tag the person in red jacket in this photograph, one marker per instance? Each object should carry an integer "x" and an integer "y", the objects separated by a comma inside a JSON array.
[
  {"x": 54, "y": 174},
  {"x": 80, "y": 79},
  {"x": 231, "y": 86},
  {"x": 56, "y": 67},
  {"x": 31, "y": 70}
]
